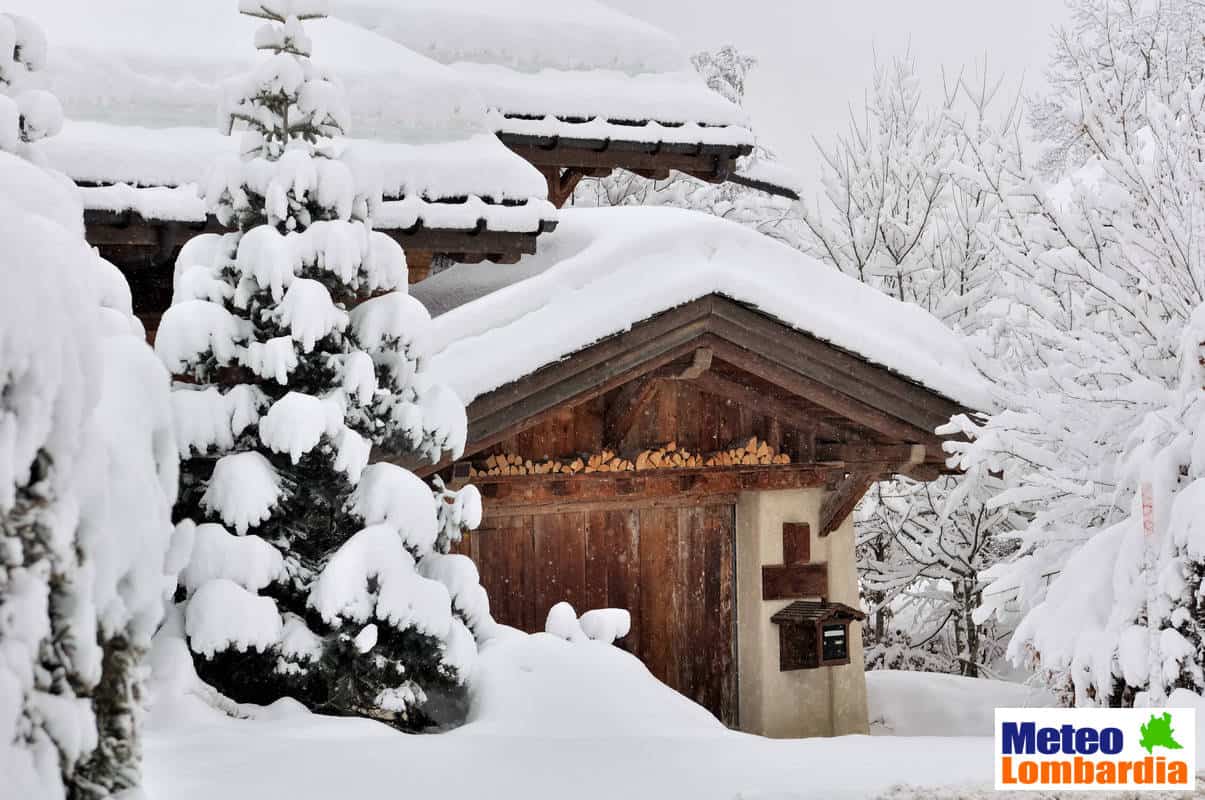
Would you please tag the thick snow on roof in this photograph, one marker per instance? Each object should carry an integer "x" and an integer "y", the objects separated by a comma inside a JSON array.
[
  {"x": 526, "y": 35},
  {"x": 150, "y": 160},
  {"x": 163, "y": 64},
  {"x": 479, "y": 165},
  {"x": 605, "y": 269},
  {"x": 571, "y": 68}
]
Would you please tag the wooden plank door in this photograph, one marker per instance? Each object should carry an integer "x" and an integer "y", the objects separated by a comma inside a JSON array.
[{"x": 673, "y": 568}]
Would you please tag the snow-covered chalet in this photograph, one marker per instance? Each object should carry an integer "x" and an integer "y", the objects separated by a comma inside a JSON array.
[{"x": 668, "y": 412}]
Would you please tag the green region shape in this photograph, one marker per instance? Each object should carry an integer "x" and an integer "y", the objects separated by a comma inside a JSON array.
[{"x": 1157, "y": 732}]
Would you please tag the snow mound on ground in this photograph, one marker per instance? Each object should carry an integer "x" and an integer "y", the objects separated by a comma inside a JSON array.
[
  {"x": 542, "y": 685},
  {"x": 932, "y": 704}
]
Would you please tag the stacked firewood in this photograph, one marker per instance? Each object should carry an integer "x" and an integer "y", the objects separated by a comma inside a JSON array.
[{"x": 754, "y": 452}]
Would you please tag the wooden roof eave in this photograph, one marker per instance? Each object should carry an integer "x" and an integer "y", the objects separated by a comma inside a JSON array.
[
  {"x": 869, "y": 395},
  {"x": 565, "y": 160},
  {"x": 159, "y": 237}
]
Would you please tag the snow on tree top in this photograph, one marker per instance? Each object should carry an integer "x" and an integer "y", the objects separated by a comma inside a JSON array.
[
  {"x": 537, "y": 63},
  {"x": 603, "y": 270},
  {"x": 144, "y": 62}
]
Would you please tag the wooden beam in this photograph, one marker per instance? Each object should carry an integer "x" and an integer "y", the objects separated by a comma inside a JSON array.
[
  {"x": 875, "y": 452},
  {"x": 700, "y": 363},
  {"x": 556, "y": 491},
  {"x": 624, "y": 411},
  {"x": 131, "y": 233},
  {"x": 872, "y": 458},
  {"x": 495, "y": 512},
  {"x": 840, "y": 503},
  {"x": 708, "y": 162},
  {"x": 793, "y": 581}
]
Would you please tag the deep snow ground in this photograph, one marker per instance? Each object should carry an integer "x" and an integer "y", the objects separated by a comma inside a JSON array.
[
  {"x": 552, "y": 720},
  {"x": 932, "y": 704}
]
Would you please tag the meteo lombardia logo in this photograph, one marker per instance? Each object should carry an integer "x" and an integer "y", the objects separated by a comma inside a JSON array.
[{"x": 1149, "y": 749}]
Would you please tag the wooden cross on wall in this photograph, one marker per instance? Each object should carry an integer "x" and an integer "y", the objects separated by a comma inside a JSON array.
[{"x": 797, "y": 577}]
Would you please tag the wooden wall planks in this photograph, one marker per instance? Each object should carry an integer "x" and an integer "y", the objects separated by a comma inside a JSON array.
[{"x": 672, "y": 567}]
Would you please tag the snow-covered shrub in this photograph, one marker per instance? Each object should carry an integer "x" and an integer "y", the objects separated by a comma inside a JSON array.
[
  {"x": 88, "y": 472},
  {"x": 314, "y": 575}
]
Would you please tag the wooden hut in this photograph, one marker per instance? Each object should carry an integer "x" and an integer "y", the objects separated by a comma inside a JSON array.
[{"x": 690, "y": 446}]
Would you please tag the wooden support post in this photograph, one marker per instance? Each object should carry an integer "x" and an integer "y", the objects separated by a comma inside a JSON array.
[
  {"x": 460, "y": 474},
  {"x": 563, "y": 182},
  {"x": 418, "y": 264}
]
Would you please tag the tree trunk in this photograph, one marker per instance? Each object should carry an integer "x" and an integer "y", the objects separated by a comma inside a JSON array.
[{"x": 113, "y": 766}]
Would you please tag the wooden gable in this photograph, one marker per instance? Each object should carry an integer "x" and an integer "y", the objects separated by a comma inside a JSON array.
[{"x": 708, "y": 376}]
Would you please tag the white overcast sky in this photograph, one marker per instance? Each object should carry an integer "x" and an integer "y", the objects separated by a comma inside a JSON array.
[{"x": 815, "y": 56}]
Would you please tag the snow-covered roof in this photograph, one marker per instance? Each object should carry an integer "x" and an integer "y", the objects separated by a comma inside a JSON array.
[
  {"x": 142, "y": 81},
  {"x": 156, "y": 171},
  {"x": 563, "y": 68},
  {"x": 604, "y": 270},
  {"x": 525, "y": 35},
  {"x": 165, "y": 64}
]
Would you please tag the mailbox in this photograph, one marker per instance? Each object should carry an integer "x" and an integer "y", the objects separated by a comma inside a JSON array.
[{"x": 813, "y": 634}]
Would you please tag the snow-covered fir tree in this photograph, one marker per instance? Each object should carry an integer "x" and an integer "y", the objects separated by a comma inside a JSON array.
[
  {"x": 901, "y": 213},
  {"x": 1099, "y": 275},
  {"x": 88, "y": 472},
  {"x": 314, "y": 574}
]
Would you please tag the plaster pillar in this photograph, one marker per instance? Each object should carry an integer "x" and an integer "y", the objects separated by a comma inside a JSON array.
[{"x": 829, "y": 701}]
